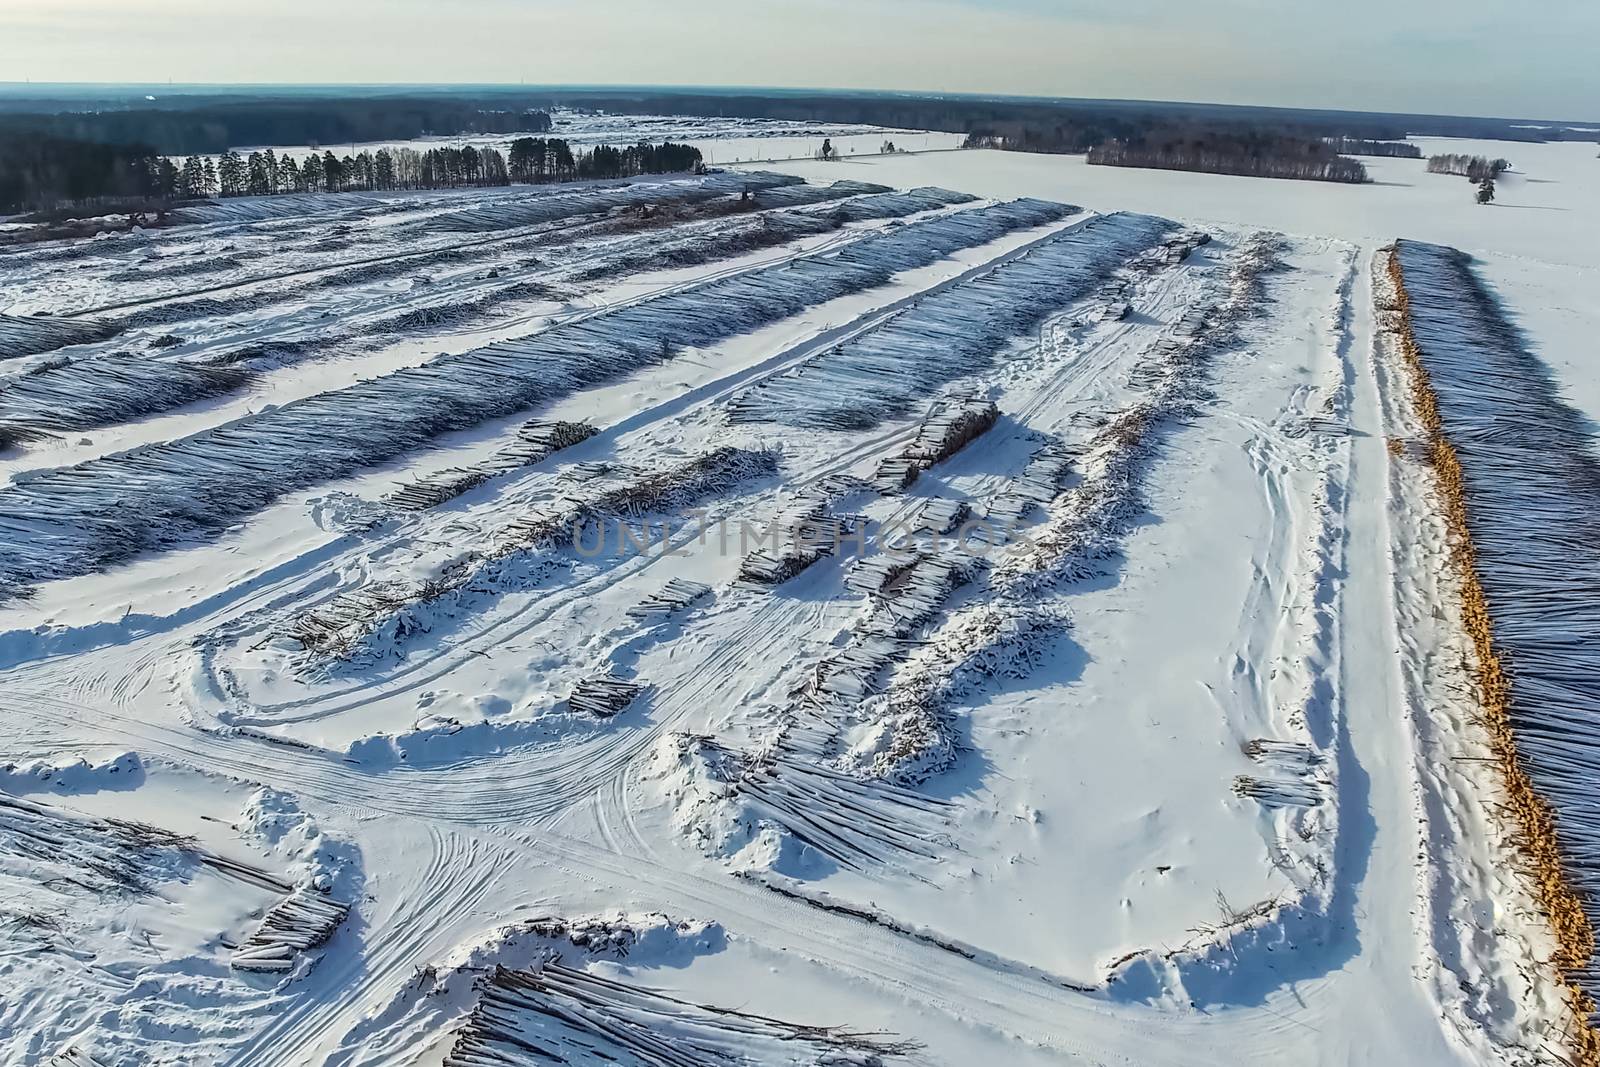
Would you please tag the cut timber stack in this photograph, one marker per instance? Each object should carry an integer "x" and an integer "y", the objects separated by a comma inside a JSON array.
[
  {"x": 534, "y": 441},
  {"x": 667, "y": 601},
  {"x": 801, "y": 536},
  {"x": 303, "y": 920},
  {"x": 950, "y": 425},
  {"x": 603, "y": 696},
  {"x": 1035, "y": 487}
]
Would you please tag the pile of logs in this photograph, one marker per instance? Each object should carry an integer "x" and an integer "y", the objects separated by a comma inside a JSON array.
[
  {"x": 603, "y": 695},
  {"x": 949, "y": 426},
  {"x": 667, "y": 601},
  {"x": 534, "y": 441}
]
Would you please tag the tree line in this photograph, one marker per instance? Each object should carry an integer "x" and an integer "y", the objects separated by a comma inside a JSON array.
[
  {"x": 1474, "y": 168},
  {"x": 1253, "y": 154},
  {"x": 44, "y": 172},
  {"x": 1361, "y": 146},
  {"x": 532, "y": 160}
]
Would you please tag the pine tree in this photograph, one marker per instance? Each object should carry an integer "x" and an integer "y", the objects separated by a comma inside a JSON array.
[
  {"x": 1485, "y": 194},
  {"x": 311, "y": 174},
  {"x": 169, "y": 183},
  {"x": 230, "y": 174},
  {"x": 193, "y": 183},
  {"x": 255, "y": 182},
  {"x": 383, "y": 169}
]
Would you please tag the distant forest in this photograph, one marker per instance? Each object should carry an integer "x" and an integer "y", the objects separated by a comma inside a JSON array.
[
  {"x": 1474, "y": 168},
  {"x": 1357, "y": 146},
  {"x": 1257, "y": 155},
  {"x": 1026, "y": 121},
  {"x": 1258, "y": 142},
  {"x": 38, "y": 173},
  {"x": 217, "y": 127}
]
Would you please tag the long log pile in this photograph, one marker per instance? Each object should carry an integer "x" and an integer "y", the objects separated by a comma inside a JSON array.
[
  {"x": 949, "y": 334},
  {"x": 77, "y": 395},
  {"x": 28, "y": 335},
  {"x": 1519, "y": 484},
  {"x": 561, "y": 1014},
  {"x": 68, "y": 395}
]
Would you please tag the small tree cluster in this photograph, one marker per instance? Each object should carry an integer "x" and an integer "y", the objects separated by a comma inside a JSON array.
[
  {"x": 1362, "y": 146},
  {"x": 539, "y": 159},
  {"x": 1257, "y": 155},
  {"x": 1474, "y": 168}
]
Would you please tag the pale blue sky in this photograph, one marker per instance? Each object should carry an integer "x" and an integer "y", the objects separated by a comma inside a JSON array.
[{"x": 1459, "y": 56}]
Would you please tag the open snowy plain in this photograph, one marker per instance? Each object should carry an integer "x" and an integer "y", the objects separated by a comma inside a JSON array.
[{"x": 943, "y": 608}]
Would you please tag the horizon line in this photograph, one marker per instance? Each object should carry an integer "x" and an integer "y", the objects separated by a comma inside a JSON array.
[{"x": 686, "y": 89}]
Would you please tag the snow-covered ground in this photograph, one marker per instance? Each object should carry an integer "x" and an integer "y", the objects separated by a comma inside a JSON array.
[{"x": 1118, "y": 717}]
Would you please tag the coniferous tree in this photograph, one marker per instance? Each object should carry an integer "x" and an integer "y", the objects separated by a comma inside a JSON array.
[
  {"x": 312, "y": 178},
  {"x": 256, "y": 182},
  {"x": 169, "y": 182},
  {"x": 193, "y": 183},
  {"x": 383, "y": 169},
  {"x": 230, "y": 174},
  {"x": 332, "y": 172}
]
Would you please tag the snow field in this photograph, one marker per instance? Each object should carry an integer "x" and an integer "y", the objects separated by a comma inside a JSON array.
[{"x": 1121, "y": 714}]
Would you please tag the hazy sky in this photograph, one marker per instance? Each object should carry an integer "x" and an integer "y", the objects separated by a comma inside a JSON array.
[{"x": 1488, "y": 57}]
